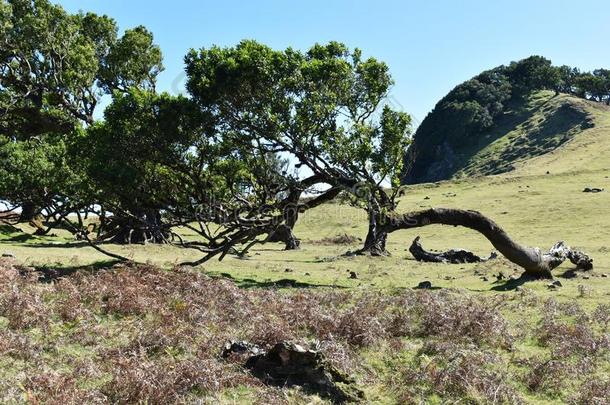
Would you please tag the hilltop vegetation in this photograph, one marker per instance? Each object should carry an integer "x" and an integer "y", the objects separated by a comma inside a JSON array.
[{"x": 487, "y": 124}]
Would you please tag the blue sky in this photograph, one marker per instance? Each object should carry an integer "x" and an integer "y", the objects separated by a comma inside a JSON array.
[{"x": 430, "y": 46}]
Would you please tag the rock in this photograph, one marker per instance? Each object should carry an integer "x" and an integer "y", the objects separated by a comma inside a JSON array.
[
  {"x": 424, "y": 285},
  {"x": 604, "y": 275},
  {"x": 484, "y": 279},
  {"x": 592, "y": 190},
  {"x": 288, "y": 271},
  {"x": 585, "y": 277},
  {"x": 289, "y": 364},
  {"x": 8, "y": 255},
  {"x": 353, "y": 275},
  {"x": 307, "y": 274},
  {"x": 555, "y": 284},
  {"x": 240, "y": 348},
  {"x": 426, "y": 198},
  {"x": 552, "y": 287}
]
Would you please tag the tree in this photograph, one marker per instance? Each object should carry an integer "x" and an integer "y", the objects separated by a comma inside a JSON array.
[
  {"x": 533, "y": 73},
  {"x": 592, "y": 86},
  {"x": 54, "y": 68},
  {"x": 324, "y": 108},
  {"x": 602, "y": 84},
  {"x": 128, "y": 157},
  {"x": 568, "y": 78},
  {"x": 319, "y": 108}
]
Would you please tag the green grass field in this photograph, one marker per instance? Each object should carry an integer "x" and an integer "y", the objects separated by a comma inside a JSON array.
[
  {"x": 535, "y": 210},
  {"x": 558, "y": 350}
]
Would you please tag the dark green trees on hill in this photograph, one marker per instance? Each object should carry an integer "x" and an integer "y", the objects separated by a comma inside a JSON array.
[{"x": 471, "y": 109}]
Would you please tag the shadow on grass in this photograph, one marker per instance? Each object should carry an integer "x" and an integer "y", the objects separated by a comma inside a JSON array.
[
  {"x": 71, "y": 244},
  {"x": 511, "y": 284},
  {"x": 49, "y": 274},
  {"x": 21, "y": 238},
  {"x": 282, "y": 283}
]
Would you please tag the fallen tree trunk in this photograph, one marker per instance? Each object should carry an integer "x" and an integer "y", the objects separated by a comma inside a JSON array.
[
  {"x": 535, "y": 263},
  {"x": 455, "y": 256}
]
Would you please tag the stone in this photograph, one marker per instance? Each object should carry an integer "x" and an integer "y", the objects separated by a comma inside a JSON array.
[
  {"x": 424, "y": 285},
  {"x": 555, "y": 284},
  {"x": 353, "y": 275},
  {"x": 289, "y": 364},
  {"x": 240, "y": 348},
  {"x": 288, "y": 271},
  {"x": 604, "y": 275},
  {"x": 592, "y": 190},
  {"x": 8, "y": 255}
]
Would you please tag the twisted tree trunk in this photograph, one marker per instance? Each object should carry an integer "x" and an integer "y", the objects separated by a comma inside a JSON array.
[
  {"x": 535, "y": 263},
  {"x": 145, "y": 227},
  {"x": 376, "y": 237},
  {"x": 28, "y": 212},
  {"x": 292, "y": 207},
  {"x": 284, "y": 232}
]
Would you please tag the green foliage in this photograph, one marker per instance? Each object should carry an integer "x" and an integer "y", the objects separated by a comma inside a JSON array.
[
  {"x": 36, "y": 171},
  {"x": 132, "y": 61},
  {"x": 127, "y": 156},
  {"x": 54, "y": 67},
  {"x": 318, "y": 106},
  {"x": 533, "y": 73}
]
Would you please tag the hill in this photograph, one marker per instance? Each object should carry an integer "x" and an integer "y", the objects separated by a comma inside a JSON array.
[
  {"x": 507, "y": 116},
  {"x": 543, "y": 132}
]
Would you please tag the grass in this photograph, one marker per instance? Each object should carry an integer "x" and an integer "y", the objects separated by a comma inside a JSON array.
[
  {"x": 541, "y": 127},
  {"x": 134, "y": 334},
  {"x": 152, "y": 333},
  {"x": 535, "y": 210}
]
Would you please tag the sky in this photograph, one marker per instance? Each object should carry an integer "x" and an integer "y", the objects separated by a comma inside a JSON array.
[{"x": 430, "y": 46}]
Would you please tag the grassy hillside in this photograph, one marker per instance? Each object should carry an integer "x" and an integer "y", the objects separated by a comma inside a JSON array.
[
  {"x": 539, "y": 133},
  {"x": 545, "y": 132}
]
